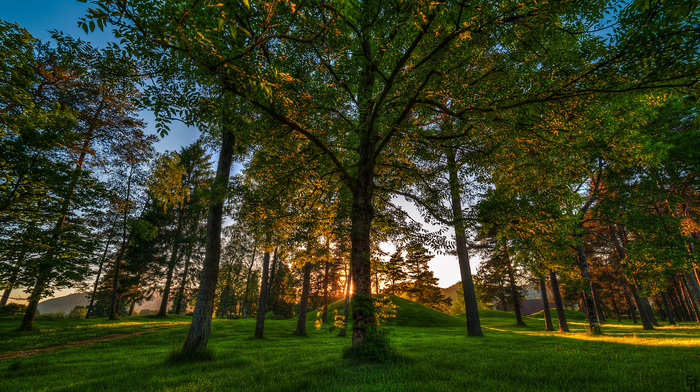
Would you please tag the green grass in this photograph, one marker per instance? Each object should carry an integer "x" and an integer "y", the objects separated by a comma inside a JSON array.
[
  {"x": 408, "y": 314},
  {"x": 439, "y": 358}
]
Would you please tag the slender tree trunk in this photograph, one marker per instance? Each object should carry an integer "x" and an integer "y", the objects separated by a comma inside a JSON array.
[
  {"x": 614, "y": 302},
  {"x": 593, "y": 325},
  {"x": 693, "y": 287},
  {"x": 13, "y": 279},
  {"x": 643, "y": 312},
  {"x": 692, "y": 306},
  {"x": 273, "y": 270},
  {"x": 659, "y": 303},
  {"x": 262, "y": 303},
  {"x": 545, "y": 303},
  {"x": 198, "y": 335},
  {"x": 163, "y": 311},
  {"x": 667, "y": 307},
  {"x": 630, "y": 308},
  {"x": 131, "y": 308},
  {"x": 324, "y": 316},
  {"x": 244, "y": 309},
  {"x": 514, "y": 291},
  {"x": 303, "y": 303},
  {"x": 97, "y": 279},
  {"x": 471, "y": 307},
  {"x": 598, "y": 304},
  {"x": 558, "y": 303},
  {"x": 348, "y": 284},
  {"x": 117, "y": 262},
  {"x": 183, "y": 282}
]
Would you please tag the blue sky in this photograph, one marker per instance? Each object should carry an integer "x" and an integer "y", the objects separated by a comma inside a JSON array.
[{"x": 39, "y": 17}]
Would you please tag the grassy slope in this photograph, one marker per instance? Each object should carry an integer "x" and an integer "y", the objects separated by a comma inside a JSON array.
[
  {"x": 508, "y": 358},
  {"x": 408, "y": 314}
]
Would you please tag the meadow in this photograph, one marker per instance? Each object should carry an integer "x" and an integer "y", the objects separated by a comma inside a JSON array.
[{"x": 433, "y": 354}]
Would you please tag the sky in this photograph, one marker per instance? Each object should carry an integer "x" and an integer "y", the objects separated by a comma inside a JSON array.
[{"x": 39, "y": 17}]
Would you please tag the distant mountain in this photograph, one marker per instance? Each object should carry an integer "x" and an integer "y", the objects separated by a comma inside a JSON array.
[
  {"x": 451, "y": 291},
  {"x": 70, "y": 301},
  {"x": 66, "y": 304}
]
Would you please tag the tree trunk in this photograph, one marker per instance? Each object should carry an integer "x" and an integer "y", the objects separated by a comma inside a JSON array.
[
  {"x": 692, "y": 306},
  {"x": 614, "y": 302},
  {"x": 262, "y": 303},
  {"x": 659, "y": 303},
  {"x": 630, "y": 307},
  {"x": 324, "y": 315},
  {"x": 117, "y": 262},
  {"x": 514, "y": 291},
  {"x": 183, "y": 282},
  {"x": 97, "y": 279},
  {"x": 470, "y": 304},
  {"x": 598, "y": 304},
  {"x": 643, "y": 312},
  {"x": 591, "y": 312},
  {"x": 13, "y": 279},
  {"x": 667, "y": 307},
  {"x": 163, "y": 311},
  {"x": 198, "y": 335},
  {"x": 545, "y": 303},
  {"x": 348, "y": 283},
  {"x": 693, "y": 287},
  {"x": 131, "y": 308},
  {"x": 244, "y": 310},
  {"x": 273, "y": 270},
  {"x": 558, "y": 303},
  {"x": 362, "y": 214},
  {"x": 304, "y": 301},
  {"x": 113, "y": 308},
  {"x": 46, "y": 267}
]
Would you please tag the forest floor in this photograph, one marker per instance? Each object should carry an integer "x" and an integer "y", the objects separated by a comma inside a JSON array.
[{"x": 436, "y": 358}]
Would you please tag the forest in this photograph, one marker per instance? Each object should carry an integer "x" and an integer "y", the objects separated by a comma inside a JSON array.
[{"x": 553, "y": 145}]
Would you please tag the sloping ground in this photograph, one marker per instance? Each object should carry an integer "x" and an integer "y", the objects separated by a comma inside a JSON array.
[
  {"x": 408, "y": 314},
  {"x": 570, "y": 315}
]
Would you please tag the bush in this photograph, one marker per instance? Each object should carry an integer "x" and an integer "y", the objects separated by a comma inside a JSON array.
[
  {"x": 12, "y": 309},
  {"x": 147, "y": 312},
  {"x": 78, "y": 312}
]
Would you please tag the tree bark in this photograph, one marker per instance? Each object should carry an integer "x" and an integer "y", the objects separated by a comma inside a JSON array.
[
  {"x": 163, "y": 311},
  {"x": 97, "y": 279},
  {"x": 117, "y": 262},
  {"x": 471, "y": 307},
  {"x": 598, "y": 303},
  {"x": 348, "y": 283},
  {"x": 13, "y": 279},
  {"x": 692, "y": 306},
  {"x": 614, "y": 302},
  {"x": 514, "y": 291},
  {"x": 631, "y": 310},
  {"x": 643, "y": 312},
  {"x": 362, "y": 214},
  {"x": 545, "y": 303},
  {"x": 244, "y": 310},
  {"x": 198, "y": 335},
  {"x": 667, "y": 307},
  {"x": 262, "y": 302},
  {"x": 558, "y": 303},
  {"x": 183, "y": 282},
  {"x": 324, "y": 315},
  {"x": 304, "y": 301},
  {"x": 593, "y": 325}
]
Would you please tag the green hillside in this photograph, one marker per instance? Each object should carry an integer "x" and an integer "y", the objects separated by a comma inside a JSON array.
[{"x": 409, "y": 314}]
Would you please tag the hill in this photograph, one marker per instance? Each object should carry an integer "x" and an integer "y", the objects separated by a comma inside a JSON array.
[
  {"x": 451, "y": 292},
  {"x": 410, "y": 314},
  {"x": 68, "y": 302}
]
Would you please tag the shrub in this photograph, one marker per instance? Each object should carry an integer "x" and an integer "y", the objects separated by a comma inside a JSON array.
[{"x": 12, "y": 309}]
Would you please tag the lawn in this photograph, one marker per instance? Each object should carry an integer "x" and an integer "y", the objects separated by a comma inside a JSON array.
[{"x": 508, "y": 358}]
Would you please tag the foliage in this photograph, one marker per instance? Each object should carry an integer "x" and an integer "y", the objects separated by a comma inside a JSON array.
[{"x": 12, "y": 309}]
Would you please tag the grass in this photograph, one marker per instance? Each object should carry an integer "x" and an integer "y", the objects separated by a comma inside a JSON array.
[{"x": 439, "y": 358}]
